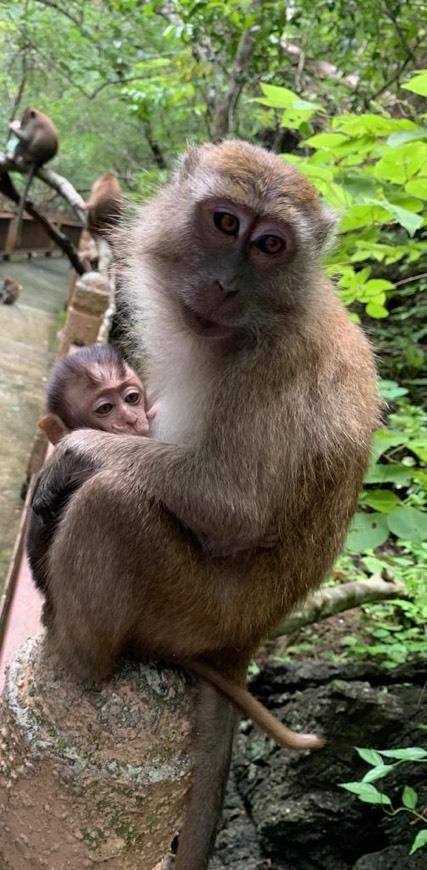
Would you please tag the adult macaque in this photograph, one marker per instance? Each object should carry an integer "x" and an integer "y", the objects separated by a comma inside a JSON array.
[
  {"x": 9, "y": 291},
  {"x": 94, "y": 387},
  {"x": 104, "y": 205},
  {"x": 37, "y": 143},
  {"x": 267, "y": 402}
]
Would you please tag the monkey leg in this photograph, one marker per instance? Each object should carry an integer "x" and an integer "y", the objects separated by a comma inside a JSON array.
[
  {"x": 123, "y": 573},
  {"x": 214, "y": 731}
]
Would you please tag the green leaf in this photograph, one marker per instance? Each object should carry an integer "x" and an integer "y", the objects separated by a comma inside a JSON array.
[
  {"x": 376, "y": 311},
  {"x": 419, "y": 842},
  {"x": 412, "y": 753},
  {"x": 407, "y": 219},
  {"x": 381, "y": 500},
  {"x": 367, "y": 531},
  {"x": 397, "y": 474},
  {"x": 383, "y": 440},
  {"x": 326, "y": 140},
  {"x": 363, "y": 216},
  {"x": 418, "y": 85},
  {"x": 279, "y": 98},
  {"x": 396, "y": 139},
  {"x": 377, "y": 772},
  {"x": 401, "y": 164},
  {"x": 417, "y": 187},
  {"x": 390, "y": 390},
  {"x": 409, "y": 797},
  {"x": 366, "y": 792},
  {"x": 408, "y": 523},
  {"x": 371, "y": 756}
]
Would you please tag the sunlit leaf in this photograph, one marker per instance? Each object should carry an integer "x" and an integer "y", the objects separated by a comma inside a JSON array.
[{"x": 418, "y": 85}]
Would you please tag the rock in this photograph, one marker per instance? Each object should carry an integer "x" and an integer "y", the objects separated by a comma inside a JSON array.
[
  {"x": 392, "y": 858},
  {"x": 301, "y": 818}
]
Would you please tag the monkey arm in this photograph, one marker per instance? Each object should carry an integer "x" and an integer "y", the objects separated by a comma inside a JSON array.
[
  {"x": 205, "y": 497},
  {"x": 20, "y": 133}
]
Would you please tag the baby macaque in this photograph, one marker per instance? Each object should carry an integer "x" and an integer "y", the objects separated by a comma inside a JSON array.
[
  {"x": 9, "y": 291},
  {"x": 95, "y": 388}
]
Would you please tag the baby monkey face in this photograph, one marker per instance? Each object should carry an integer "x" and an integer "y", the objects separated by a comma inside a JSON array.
[{"x": 116, "y": 406}]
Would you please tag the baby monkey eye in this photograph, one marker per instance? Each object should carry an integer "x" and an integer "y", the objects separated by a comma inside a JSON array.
[
  {"x": 104, "y": 409},
  {"x": 226, "y": 222},
  {"x": 133, "y": 397},
  {"x": 270, "y": 244}
]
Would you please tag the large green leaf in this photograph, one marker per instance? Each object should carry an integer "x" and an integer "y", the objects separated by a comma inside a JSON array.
[
  {"x": 411, "y": 753},
  {"x": 398, "y": 474},
  {"x": 367, "y": 531},
  {"x": 420, "y": 841},
  {"x": 407, "y": 219},
  {"x": 418, "y": 85},
  {"x": 408, "y": 523},
  {"x": 382, "y": 500}
]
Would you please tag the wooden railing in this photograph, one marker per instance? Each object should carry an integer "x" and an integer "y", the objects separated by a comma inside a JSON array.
[{"x": 34, "y": 239}]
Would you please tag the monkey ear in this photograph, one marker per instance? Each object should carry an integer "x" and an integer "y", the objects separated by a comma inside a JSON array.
[
  {"x": 326, "y": 227},
  {"x": 187, "y": 163},
  {"x": 54, "y": 427}
]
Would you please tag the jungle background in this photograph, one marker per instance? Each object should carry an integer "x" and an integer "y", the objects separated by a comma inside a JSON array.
[{"x": 340, "y": 89}]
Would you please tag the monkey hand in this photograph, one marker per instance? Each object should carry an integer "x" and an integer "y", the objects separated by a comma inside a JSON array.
[{"x": 66, "y": 471}]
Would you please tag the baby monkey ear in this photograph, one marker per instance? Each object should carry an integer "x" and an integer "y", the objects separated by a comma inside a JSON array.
[{"x": 54, "y": 427}]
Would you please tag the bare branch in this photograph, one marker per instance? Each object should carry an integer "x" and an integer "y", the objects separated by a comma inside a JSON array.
[
  {"x": 7, "y": 188},
  {"x": 52, "y": 179},
  {"x": 64, "y": 11},
  {"x": 335, "y": 599},
  {"x": 222, "y": 115}
]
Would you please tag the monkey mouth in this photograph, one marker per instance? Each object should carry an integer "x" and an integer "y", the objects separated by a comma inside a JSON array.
[{"x": 203, "y": 326}]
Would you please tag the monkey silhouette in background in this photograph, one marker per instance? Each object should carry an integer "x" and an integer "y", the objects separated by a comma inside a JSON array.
[
  {"x": 104, "y": 205},
  {"x": 94, "y": 387},
  {"x": 266, "y": 404},
  {"x": 37, "y": 144},
  {"x": 9, "y": 291}
]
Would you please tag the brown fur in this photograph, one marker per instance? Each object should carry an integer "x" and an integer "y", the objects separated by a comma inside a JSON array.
[
  {"x": 37, "y": 144},
  {"x": 9, "y": 291},
  {"x": 279, "y": 400},
  {"x": 104, "y": 205}
]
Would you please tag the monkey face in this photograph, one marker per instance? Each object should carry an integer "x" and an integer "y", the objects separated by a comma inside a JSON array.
[
  {"x": 244, "y": 236},
  {"x": 241, "y": 250},
  {"x": 116, "y": 405}
]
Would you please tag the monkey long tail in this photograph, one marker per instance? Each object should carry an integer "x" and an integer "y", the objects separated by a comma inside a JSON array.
[
  {"x": 255, "y": 710},
  {"x": 19, "y": 217}
]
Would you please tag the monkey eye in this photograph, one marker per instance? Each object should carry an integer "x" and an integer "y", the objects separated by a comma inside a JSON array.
[
  {"x": 226, "y": 222},
  {"x": 133, "y": 397},
  {"x": 104, "y": 409},
  {"x": 270, "y": 244}
]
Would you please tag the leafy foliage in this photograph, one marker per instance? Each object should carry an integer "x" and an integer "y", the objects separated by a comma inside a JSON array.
[{"x": 380, "y": 768}]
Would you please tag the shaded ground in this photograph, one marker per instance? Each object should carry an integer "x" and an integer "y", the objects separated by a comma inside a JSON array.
[{"x": 27, "y": 335}]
